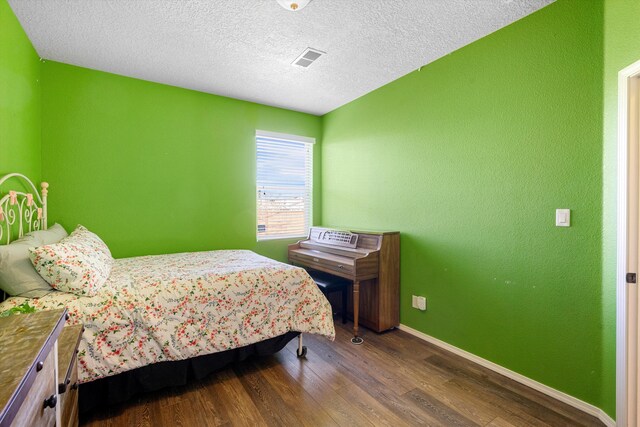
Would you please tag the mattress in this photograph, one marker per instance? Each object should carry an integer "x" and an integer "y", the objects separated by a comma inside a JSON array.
[{"x": 179, "y": 306}]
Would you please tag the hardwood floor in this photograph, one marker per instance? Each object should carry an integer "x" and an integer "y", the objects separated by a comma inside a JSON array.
[{"x": 393, "y": 379}]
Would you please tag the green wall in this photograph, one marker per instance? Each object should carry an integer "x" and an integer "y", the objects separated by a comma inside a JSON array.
[
  {"x": 19, "y": 98},
  {"x": 468, "y": 159},
  {"x": 154, "y": 168},
  {"x": 621, "y": 48}
]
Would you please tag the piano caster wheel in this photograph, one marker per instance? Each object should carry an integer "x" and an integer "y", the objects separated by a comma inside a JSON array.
[
  {"x": 302, "y": 353},
  {"x": 357, "y": 340}
]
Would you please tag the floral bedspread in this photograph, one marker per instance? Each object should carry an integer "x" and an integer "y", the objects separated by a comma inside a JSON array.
[{"x": 174, "y": 307}]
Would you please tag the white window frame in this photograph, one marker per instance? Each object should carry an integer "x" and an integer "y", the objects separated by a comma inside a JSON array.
[{"x": 292, "y": 138}]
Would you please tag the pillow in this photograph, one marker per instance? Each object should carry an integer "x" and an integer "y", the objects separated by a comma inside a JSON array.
[
  {"x": 53, "y": 234},
  {"x": 85, "y": 236},
  {"x": 17, "y": 275},
  {"x": 79, "y": 264}
]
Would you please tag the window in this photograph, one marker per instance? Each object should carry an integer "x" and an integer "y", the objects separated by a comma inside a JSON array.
[{"x": 284, "y": 182}]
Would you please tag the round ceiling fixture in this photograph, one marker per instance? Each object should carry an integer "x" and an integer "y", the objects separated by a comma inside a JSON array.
[{"x": 294, "y": 5}]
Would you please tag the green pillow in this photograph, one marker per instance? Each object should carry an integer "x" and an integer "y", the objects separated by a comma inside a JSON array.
[{"x": 18, "y": 277}]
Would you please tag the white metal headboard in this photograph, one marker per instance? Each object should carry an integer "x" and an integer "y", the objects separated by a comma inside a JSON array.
[{"x": 19, "y": 211}]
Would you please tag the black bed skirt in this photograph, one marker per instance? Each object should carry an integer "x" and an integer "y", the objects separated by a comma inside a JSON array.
[{"x": 122, "y": 387}]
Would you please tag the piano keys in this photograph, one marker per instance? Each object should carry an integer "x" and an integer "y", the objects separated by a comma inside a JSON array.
[{"x": 370, "y": 260}]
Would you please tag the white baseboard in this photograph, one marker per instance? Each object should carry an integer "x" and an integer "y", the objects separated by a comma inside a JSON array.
[{"x": 556, "y": 394}]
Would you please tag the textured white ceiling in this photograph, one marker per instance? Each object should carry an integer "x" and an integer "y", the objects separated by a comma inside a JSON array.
[{"x": 244, "y": 49}]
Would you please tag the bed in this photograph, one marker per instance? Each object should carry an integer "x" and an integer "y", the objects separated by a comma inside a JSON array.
[{"x": 161, "y": 320}]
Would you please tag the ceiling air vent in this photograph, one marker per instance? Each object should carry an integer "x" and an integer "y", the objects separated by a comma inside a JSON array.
[{"x": 307, "y": 57}]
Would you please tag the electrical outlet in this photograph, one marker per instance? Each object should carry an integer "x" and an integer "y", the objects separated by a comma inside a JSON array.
[{"x": 419, "y": 302}]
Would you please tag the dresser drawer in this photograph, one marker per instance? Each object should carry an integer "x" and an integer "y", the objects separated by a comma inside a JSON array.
[
  {"x": 69, "y": 399},
  {"x": 33, "y": 411},
  {"x": 68, "y": 374}
]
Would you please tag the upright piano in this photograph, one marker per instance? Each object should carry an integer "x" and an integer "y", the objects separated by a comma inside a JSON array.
[{"x": 371, "y": 260}]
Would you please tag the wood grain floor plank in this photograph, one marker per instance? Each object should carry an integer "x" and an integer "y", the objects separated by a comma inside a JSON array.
[
  {"x": 503, "y": 397},
  {"x": 364, "y": 358},
  {"x": 407, "y": 372},
  {"x": 398, "y": 347},
  {"x": 340, "y": 410},
  {"x": 414, "y": 372},
  {"x": 514, "y": 414},
  {"x": 144, "y": 416},
  {"x": 500, "y": 422},
  {"x": 172, "y": 415},
  {"x": 271, "y": 405},
  {"x": 463, "y": 403},
  {"x": 369, "y": 381},
  {"x": 380, "y": 414},
  {"x": 438, "y": 410},
  {"x": 323, "y": 364},
  {"x": 364, "y": 404},
  {"x": 295, "y": 396},
  {"x": 393, "y": 379},
  {"x": 236, "y": 403},
  {"x": 518, "y": 388},
  {"x": 545, "y": 400},
  {"x": 357, "y": 397},
  {"x": 378, "y": 352},
  {"x": 210, "y": 412},
  {"x": 317, "y": 358}
]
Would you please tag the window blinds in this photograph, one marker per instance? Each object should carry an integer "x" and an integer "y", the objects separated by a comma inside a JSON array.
[{"x": 284, "y": 186}]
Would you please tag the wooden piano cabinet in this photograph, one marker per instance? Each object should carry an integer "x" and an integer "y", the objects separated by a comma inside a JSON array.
[
  {"x": 380, "y": 297},
  {"x": 374, "y": 263}
]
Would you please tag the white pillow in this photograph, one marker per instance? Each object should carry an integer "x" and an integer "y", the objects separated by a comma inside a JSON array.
[
  {"x": 82, "y": 235},
  {"x": 79, "y": 264},
  {"x": 53, "y": 234},
  {"x": 17, "y": 276}
]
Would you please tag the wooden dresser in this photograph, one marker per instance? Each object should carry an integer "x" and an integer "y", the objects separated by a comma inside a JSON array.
[
  {"x": 37, "y": 368},
  {"x": 68, "y": 374},
  {"x": 371, "y": 260}
]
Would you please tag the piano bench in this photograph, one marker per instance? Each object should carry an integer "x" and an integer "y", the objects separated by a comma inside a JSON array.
[{"x": 328, "y": 283}]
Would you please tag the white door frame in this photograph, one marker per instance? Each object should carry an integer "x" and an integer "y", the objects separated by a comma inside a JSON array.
[{"x": 627, "y": 337}]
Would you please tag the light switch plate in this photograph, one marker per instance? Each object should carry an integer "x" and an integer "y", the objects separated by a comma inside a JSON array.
[{"x": 563, "y": 217}]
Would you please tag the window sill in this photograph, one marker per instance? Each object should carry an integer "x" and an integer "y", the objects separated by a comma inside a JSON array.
[{"x": 263, "y": 239}]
